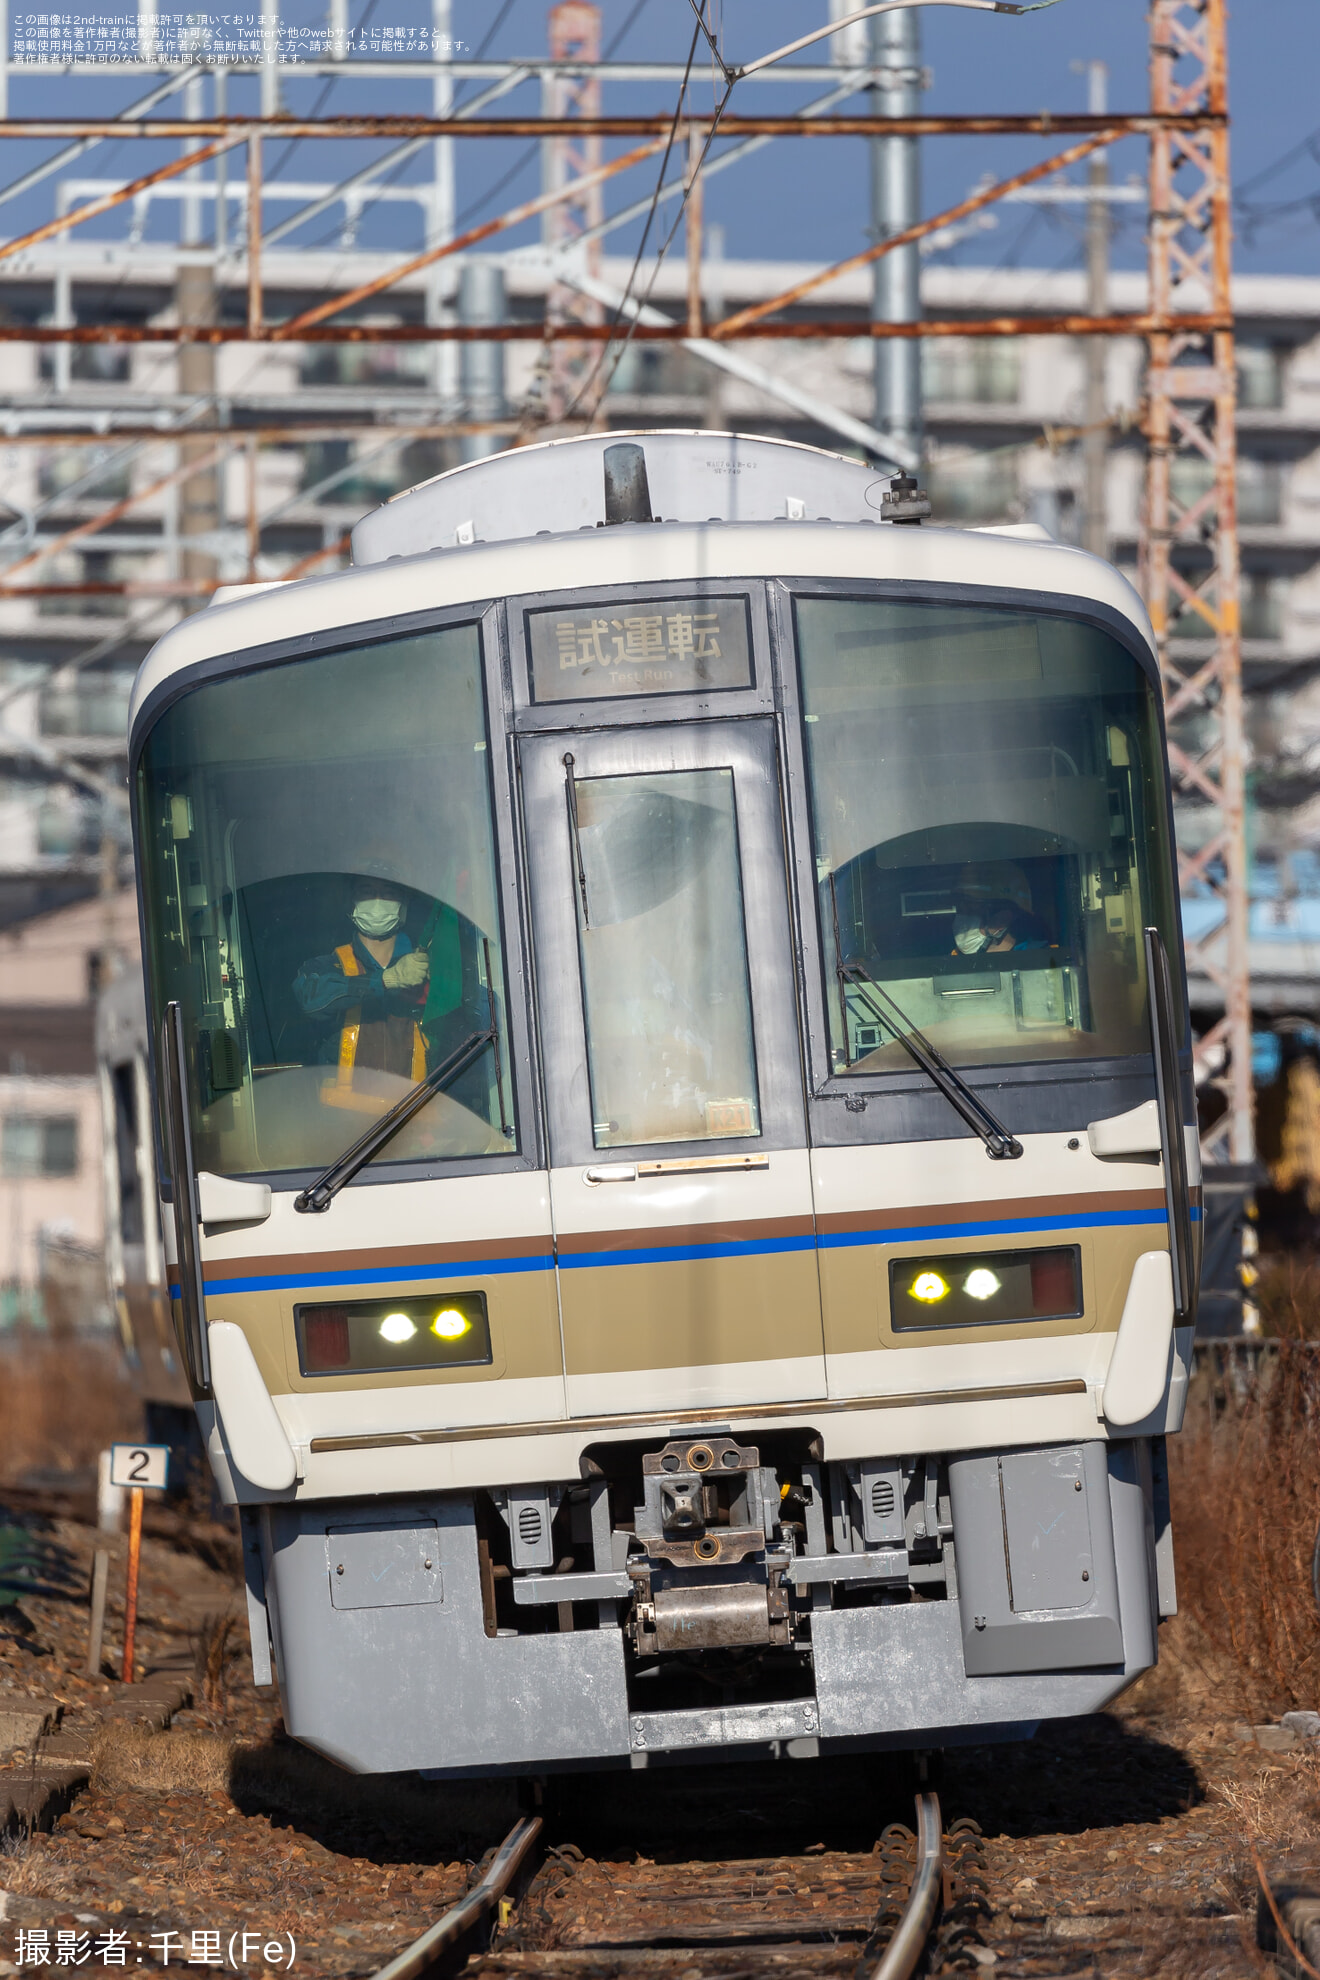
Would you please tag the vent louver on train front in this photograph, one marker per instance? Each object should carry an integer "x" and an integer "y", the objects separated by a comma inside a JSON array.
[
  {"x": 882, "y": 1498},
  {"x": 528, "y": 1511}
]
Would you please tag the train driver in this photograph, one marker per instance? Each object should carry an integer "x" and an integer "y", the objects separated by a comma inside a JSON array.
[
  {"x": 371, "y": 990},
  {"x": 994, "y": 913}
]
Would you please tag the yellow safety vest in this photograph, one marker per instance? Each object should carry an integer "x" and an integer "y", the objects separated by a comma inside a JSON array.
[{"x": 352, "y": 1028}]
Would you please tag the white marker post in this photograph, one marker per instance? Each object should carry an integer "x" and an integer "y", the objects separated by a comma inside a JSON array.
[{"x": 142, "y": 1468}]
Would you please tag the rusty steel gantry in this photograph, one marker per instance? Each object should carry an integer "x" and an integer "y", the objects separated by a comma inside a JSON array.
[{"x": 1191, "y": 409}]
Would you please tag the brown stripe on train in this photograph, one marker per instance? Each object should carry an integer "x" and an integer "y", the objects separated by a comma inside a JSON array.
[
  {"x": 301, "y": 1263},
  {"x": 920, "y": 1217},
  {"x": 557, "y": 1426},
  {"x": 662, "y": 1236}
]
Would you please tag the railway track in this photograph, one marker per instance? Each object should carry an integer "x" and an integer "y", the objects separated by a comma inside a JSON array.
[{"x": 918, "y": 1897}]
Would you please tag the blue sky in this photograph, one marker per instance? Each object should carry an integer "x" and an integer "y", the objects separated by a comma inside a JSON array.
[
  {"x": 805, "y": 199},
  {"x": 808, "y": 198}
]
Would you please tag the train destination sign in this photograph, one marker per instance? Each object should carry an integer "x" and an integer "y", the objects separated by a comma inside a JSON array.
[{"x": 640, "y": 646}]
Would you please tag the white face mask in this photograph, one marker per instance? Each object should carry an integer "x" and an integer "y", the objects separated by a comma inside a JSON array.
[
  {"x": 971, "y": 939},
  {"x": 377, "y": 918}
]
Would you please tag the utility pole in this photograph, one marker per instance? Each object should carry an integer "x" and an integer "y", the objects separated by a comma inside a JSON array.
[
  {"x": 194, "y": 296},
  {"x": 1095, "y": 441},
  {"x": 481, "y": 300},
  {"x": 896, "y": 204},
  {"x": 441, "y": 212}
]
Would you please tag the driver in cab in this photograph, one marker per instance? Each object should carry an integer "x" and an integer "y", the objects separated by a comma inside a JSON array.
[
  {"x": 370, "y": 991},
  {"x": 994, "y": 913}
]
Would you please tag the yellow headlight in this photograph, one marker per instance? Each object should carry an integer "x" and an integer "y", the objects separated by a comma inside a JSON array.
[
  {"x": 928, "y": 1286},
  {"x": 982, "y": 1283},
  {"x": 450, "y": 1324},
  {"x": 397, "y": 1327}
]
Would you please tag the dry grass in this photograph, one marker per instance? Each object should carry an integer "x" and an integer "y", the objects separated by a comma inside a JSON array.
[
  {"x": 1289, "y": 1297},
  {"x": 292, "y": 1784},
  {"x": 133, "y": 1758},
  {"x": 218, "y": 1643},
  {"x": 61, "y": 1402},
  {"x": 1246, "y": 1501}
]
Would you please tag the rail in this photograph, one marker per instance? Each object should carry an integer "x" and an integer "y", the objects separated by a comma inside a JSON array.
[
  {"x": 450, "y": 1941},
  {"x": 892, "y": 1952},
  {"x": 900, "y": 1957}
]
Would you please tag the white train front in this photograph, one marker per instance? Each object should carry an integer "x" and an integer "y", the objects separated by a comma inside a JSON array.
[{"x": 675, "y": 1105}]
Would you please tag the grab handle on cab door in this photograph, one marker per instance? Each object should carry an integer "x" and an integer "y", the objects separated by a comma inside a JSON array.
[
  {"x": 1173, "y": 1147},
  {"x": 183, "y": 1191}
]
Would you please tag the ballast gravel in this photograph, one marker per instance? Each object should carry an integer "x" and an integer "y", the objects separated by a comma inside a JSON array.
[{"x": 1122, "y": 1845}]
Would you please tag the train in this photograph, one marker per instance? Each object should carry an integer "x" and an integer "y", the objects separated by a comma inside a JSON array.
[{"x": 673, "y": 1113}]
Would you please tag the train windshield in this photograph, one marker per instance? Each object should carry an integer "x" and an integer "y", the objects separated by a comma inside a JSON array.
[
  {"x": 990, "y": 831},
  {"x": 321, "y": 899}
]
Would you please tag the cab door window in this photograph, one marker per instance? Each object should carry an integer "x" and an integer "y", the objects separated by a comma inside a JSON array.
[{"x": 664, "y": 958}]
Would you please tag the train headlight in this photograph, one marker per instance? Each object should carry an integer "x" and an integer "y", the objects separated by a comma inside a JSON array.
[
  {"x": 399, "y": 1335},
  {"x": 942, "y": 1290}
]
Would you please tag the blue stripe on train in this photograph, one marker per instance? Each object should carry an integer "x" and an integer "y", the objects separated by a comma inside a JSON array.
[
  {"x": 668, "y": 1254},
  {"x": 468, "y": 1268}
]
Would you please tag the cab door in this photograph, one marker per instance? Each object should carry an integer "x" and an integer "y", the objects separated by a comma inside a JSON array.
[{"x": 680, "y": 1184}]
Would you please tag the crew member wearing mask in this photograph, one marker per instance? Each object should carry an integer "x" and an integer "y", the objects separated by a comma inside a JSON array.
[
  {"x": 998, "y": 928},
  {"x": 370, "y": 991}
]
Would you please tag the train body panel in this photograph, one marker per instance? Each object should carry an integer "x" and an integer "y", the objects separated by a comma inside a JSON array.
[{"x": 705, "y": 999}]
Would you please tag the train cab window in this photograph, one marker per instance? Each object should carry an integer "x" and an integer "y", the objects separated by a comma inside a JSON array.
[
  {"x": 321, "y": 898},
  {"x": 664, "y": 958},
  {"x": 990, "y": 830}
]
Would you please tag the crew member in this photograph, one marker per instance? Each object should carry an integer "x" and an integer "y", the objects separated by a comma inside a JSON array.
[
  {"x": 370, "y": 991},
  {"x": 998, "y": 929},
  {"x": 994, "y": 913}
]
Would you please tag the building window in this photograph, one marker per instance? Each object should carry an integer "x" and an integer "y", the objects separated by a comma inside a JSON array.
[
  {"x": 1259, "y": 487},
  {"x": 1260, "y": 369},
  {"x": 39, "y": 1145},
  {"x": 67, "y": 826},
  {"x": 974, "y": 488},
  {"x": 96, "y": 704},
  {"x": 90, "y": 567},
  {"x": 408, "y": 366},
  {"x": 982, "y": 371},
  {"x": 74, "y": 470},
  {"x": 1263, "y": 602},
  {"x": 359, "y": 488},
  {"x": 89, "y": 364},
  {"x": 657, "y": 371}
]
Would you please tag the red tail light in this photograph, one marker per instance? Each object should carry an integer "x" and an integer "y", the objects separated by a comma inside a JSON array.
[
  {"x": 325, "y": 1338},
  {"x": 1054, "y": 1283}
]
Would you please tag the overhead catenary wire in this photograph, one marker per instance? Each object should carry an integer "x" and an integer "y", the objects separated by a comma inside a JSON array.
[
  {"x": 731, "y": 77},
  {"x": 866, "y": 14},
  {"x": 619, "y": 313}
]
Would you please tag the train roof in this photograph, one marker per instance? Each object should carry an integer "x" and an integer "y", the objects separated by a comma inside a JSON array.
[{"x": 738, "y": 524}]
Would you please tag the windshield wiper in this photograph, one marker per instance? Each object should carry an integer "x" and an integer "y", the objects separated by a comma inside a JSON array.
[
  {"x": 960, "y": 1096},
  {"x": 320, "y": 1194}
]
